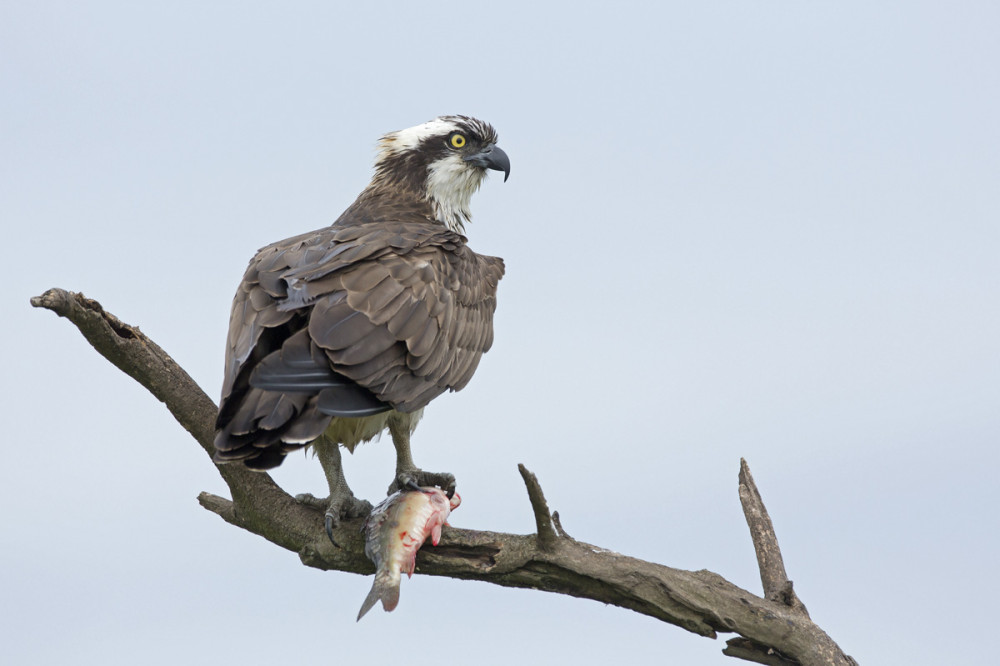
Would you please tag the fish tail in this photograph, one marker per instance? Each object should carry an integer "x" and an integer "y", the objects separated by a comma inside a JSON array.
[{"x": 384, "y": 589}]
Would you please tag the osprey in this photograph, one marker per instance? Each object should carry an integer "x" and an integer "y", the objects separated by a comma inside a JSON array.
[{"x": 339, "y": 334}]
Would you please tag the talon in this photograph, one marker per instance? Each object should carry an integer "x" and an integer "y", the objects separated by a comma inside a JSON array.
[
  {"x": 330, "y": 522},
  {"x": 412, "y": 485}
]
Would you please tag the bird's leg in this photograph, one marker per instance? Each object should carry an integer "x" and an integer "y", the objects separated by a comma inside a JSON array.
[
  {"x": 342, "y": 504},
  {"x": 407, "y": 473}
]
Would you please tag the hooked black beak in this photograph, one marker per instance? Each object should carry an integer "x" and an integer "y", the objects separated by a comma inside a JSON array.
[{"x": 491, "y": 157}]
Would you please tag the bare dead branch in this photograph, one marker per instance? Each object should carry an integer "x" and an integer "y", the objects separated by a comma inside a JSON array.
[
  {"x": 546, "y": 534},
  {"x": 219, "y": 505},
  {"x": 140, "y": 358},
  {"x": 775, "y": 581},
  {"x": 700, "y": 601},
  {"x": 557, "y": 522}
]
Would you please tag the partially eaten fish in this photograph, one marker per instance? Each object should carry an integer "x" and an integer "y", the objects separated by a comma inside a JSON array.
[{"x": 394, "y": 532}]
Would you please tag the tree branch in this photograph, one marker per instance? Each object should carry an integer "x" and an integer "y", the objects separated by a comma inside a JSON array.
[
  {"x": 777, "y": 587},
  {"x": 775, "y": 630},
  {"x": 546, "y": 533}
]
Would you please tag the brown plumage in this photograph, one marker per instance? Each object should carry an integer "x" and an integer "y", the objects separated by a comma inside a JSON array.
[{"x": 352, "y": 328}]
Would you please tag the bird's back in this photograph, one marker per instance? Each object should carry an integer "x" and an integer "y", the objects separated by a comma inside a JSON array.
[{"x": 385, "y": 309}]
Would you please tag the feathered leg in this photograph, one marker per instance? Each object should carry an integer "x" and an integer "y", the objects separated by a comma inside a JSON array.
[{"x": 408, "y": 475}]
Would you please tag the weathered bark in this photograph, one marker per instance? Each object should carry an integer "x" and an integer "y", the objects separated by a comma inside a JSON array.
[{"x": 772, "y": 630}]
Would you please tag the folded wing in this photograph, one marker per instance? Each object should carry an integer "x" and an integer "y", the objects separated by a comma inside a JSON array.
[{"x": 350, "y": 321}]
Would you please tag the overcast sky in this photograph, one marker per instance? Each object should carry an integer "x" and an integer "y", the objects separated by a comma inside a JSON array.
[{"x": 758, "y": 229}]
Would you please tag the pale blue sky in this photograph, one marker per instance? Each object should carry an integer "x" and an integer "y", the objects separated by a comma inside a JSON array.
[{"x": 759, "y": 229}]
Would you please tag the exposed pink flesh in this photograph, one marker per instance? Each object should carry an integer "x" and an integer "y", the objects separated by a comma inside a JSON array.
[{"x": 397, "y": 529}]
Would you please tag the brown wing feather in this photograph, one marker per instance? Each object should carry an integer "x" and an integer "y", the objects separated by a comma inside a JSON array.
[
  {"x": 403, "y": 308},
  {"x": 435, "y": 301}
]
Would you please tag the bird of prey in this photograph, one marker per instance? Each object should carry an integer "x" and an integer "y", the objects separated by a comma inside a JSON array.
[{"x": 341, "y": 333}]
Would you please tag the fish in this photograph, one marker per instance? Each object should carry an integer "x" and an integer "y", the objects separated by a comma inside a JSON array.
[{"x": 394, "y": 532}]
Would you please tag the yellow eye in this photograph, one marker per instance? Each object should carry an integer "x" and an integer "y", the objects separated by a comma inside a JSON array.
[{"x": 457, "y": 140}]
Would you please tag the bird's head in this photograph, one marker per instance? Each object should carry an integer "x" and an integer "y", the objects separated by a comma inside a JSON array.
[{"x": 442, "y": 161}]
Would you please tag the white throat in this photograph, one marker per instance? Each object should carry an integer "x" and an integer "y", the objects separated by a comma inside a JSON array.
[{"x": 451, "y": 182}]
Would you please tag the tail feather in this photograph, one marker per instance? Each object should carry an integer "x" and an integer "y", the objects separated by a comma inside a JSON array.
[{"x": 384, "y": 589}]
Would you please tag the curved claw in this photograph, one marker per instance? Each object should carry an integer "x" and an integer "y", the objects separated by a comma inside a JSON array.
[
  {"x": 412, "y": 485},
  {"x": 330, "y": 523}
]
